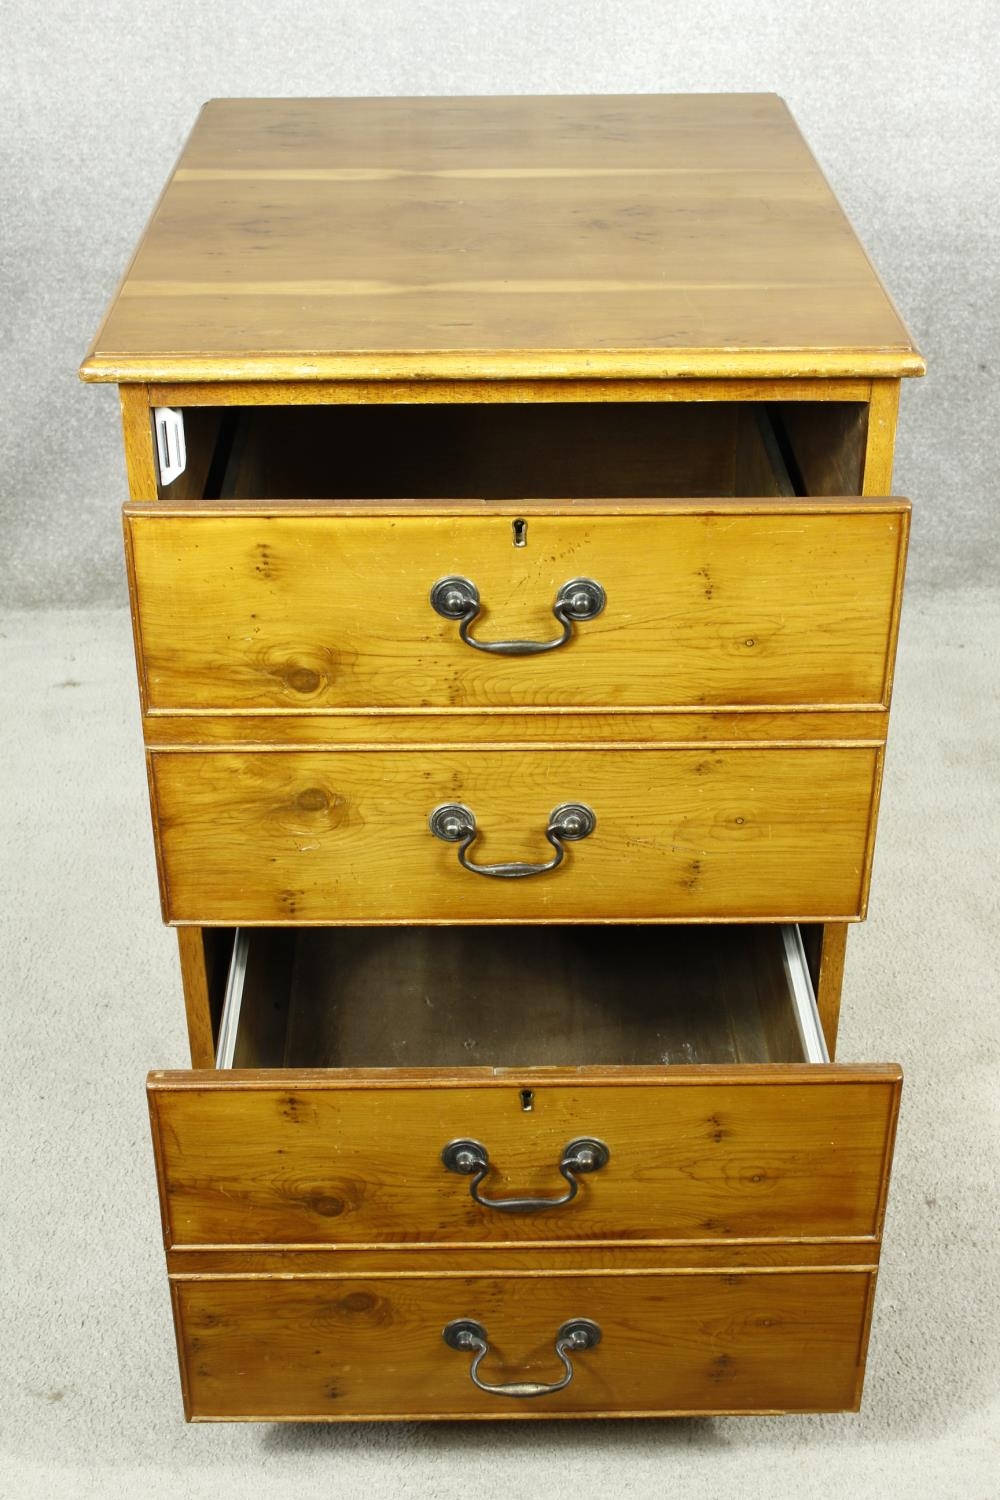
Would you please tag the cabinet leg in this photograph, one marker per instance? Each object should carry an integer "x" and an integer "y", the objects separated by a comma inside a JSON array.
[
  {"x": 826, "y": 947},
  {"x": 204, "y": 953}
]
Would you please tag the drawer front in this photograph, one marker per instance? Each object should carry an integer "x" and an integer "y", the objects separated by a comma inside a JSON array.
[
  {"x": 706, "y": 1154},
  {"x": 669, "y": 1343},
  {"x": 319, "y": 607},
  {"x": 335, "y": 836}
]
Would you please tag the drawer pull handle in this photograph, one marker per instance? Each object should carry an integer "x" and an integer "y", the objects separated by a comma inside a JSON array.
[
  {"x": 457, "y": 598},
  {"x": 466, "y": 1335},
  {"x": 454, "y": 823},
  {"x": 470, "y": 1159}
]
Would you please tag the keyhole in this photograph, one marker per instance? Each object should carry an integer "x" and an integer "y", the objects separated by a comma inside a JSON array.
[
  {"x": 520, "y": 530},
  {"x": 527, "y": 1099}
]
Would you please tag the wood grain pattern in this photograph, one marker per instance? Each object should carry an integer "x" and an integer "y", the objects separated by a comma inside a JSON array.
[
  {"x": 323, "y": 607},
  {"x": 392, "y": 1258},
  {"x": 738, "y": 1342},
  {"x": 498, "y": 238},
  {"x": 500, "y": 392},
  {"x": 833, "y": 954},
  {"x": 697, "y": 1154},
  {"x": 432, "y": 729},
  {"x": 880, "y": 442},
  {"x": 332, "y": 837},
  {"x": 138, "y": 443},
  {"x": 200, "y": 995}
]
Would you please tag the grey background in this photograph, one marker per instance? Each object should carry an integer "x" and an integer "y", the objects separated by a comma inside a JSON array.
[{"x": 897, "y": 100}]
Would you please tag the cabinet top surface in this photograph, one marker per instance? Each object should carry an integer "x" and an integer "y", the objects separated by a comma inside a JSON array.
[{"x": 633, "y": 236}]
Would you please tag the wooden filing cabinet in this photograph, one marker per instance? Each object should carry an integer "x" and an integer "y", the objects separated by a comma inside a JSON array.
[{"x": 515, "y": 580}]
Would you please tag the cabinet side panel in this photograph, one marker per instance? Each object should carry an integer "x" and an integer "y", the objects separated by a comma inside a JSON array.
[{"x": 137, "y": 435}]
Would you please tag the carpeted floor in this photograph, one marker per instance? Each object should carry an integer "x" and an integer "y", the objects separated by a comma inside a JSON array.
[{"x": 90, "y": 1405}]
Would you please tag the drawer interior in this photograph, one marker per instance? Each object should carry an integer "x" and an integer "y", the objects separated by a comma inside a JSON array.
[
  {"x": 440, "y": 997},
  {"x": 566, "y": 450}
]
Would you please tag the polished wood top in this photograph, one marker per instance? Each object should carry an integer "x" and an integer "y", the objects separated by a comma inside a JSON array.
[{"x": 676, "y": 235}]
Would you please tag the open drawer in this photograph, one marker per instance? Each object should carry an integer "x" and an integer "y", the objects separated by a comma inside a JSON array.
[
  {"x": 617, "y": 557},
  {"x": 423, "y": 1087}
]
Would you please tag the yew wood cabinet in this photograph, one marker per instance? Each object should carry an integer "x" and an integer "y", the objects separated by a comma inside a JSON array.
[{"x": 515, "y": 580}]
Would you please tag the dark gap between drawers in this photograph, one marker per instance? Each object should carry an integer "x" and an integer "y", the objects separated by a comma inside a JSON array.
[{"x": 601, "y": 450}]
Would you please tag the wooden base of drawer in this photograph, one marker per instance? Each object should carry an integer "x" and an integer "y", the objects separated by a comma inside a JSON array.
[{"x": 671, "y": 1343}]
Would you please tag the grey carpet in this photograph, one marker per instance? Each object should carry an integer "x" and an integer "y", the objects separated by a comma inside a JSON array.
[{"x": 90, "y": 1402}]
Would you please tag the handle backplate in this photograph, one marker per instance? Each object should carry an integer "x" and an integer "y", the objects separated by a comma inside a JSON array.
[
  {"x": 457, "y": 598},
  {"x": 454, "y": 823},
  {"x": 469, "y": 1336},
  {"x": 469, "y": 1158}
]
